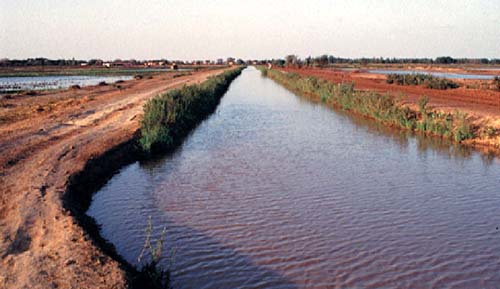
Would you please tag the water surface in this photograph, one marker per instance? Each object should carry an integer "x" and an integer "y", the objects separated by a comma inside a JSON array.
[
  {"x": 8, "y": 84},
  {"x": 434, "y": 73},
  {"x": 272, "y": 191}
]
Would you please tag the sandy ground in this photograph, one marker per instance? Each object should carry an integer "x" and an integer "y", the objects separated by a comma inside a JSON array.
[{"x": 44, "y": 140}]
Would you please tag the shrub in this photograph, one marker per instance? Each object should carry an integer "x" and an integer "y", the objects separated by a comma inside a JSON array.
[
  {"x": 422, "y": 104},
  {"x": 463, "y": 129},
  {"x": 30, "y": 92},
  {"x": 488, "y": 132},
  {"x": 421, "y": 79},
  {"x": 496, "y": 82},
  {"x": 440, "y": 83}
]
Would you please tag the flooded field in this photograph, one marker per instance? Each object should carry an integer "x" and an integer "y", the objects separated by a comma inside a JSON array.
[
  {"x": 273, "y": 191},
  {"x": 9, "y": 84},
  {"x": 486, "y": 68},
  {"x": 433, "y": 73}
]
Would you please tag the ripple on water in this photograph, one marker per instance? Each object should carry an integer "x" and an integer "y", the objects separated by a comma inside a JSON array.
[{"x": 275, "y": 192}]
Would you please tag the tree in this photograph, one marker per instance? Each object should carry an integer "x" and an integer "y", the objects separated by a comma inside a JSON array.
[
  {"x": 308, "y": 61},
  {"x": 291, "y": 60},
  {"x": 445, "y": 60},
  {"x": 323, "y": 60}
]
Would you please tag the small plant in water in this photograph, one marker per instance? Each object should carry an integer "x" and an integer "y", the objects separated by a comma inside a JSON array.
[{"x": 152, "y": 274}]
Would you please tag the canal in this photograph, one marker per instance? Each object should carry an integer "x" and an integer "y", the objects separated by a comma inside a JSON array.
[{"x": 273, "y": 191}]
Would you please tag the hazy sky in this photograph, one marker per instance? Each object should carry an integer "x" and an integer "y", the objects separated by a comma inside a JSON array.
[{"x": 208, "y": 29}]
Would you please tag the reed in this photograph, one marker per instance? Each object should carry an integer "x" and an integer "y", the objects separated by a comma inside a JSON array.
[
  {"x": 170, "y": 116},
  {"x": 152, "y": 274}
]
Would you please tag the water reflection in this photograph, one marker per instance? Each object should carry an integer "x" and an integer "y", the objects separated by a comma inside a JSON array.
[{"x": 433, "y": 73}]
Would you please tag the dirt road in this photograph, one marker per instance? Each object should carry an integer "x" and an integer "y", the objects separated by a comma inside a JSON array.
[{"x": 44, "y": 140}]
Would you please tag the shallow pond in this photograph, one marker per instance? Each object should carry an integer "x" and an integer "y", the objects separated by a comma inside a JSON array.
[
  {"x": 272, "y": 191},
  {"x": 8, "y": 84},
  {"x": 433, "y": 73}
]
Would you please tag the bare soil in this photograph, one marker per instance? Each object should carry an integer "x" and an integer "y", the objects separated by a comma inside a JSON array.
[{"x": 44, "y": 140}]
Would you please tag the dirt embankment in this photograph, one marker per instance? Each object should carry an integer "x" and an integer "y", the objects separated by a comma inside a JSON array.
[
  {"x": 482, "y": 106},
  {"x": 44, "y": 140}
]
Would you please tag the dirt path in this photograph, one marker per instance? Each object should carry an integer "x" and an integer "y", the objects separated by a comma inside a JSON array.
[{"x": 43, "y": 141}]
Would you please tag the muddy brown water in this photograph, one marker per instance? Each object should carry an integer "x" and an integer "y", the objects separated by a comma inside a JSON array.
[{"x": 273, "y": 191}]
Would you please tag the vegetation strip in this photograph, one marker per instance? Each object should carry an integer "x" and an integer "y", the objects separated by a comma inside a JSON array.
[
  {"x": 421, "y": 79},
  {"x": 383, "y": 108},
  {"x": 170, "y": 116}
]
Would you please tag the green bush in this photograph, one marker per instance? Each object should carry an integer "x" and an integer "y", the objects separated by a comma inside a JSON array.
[
  {"x": 422, "y": 104},
  {"x": 496, "y": 82},
  {"x": 170, "y": 116},
  {"x": 421, "y": 79},
  {"x": 383, "y": 108},
  {"x": 463, "y": 129}
]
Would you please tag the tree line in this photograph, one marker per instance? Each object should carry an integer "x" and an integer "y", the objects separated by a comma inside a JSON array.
[
  {"x": 41, "y": 61},
  {"x": 325, "y": 60},
  {"x": 289, "y": 60}
]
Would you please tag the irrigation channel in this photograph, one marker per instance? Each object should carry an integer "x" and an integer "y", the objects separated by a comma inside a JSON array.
[{"x": 273, "y": 191}]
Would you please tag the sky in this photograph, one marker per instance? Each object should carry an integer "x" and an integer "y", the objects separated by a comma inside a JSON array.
[{"x": 255, "y": 29}]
